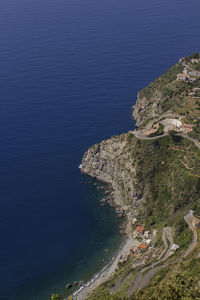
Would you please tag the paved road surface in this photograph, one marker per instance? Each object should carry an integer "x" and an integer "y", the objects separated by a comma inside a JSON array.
[{"x": 190, "y": 219}]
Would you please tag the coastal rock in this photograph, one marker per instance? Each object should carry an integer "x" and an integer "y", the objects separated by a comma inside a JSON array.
[
  {"x": 69, "y": 286},
  {"x": 80, "y": 283},
  {"x": 146, "y": 108},
  {"x": 111, "y": 162}
]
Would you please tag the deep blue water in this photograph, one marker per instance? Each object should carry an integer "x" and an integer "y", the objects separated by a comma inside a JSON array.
[{"x": 69, "y": 75}]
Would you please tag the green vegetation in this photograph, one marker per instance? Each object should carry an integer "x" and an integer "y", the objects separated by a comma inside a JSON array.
[
  {"x": 194, "y": 55},
  {"x": 196, "y": 132},
  {"x": 55, "y": 297},
  {"x": 164, "y": 169},
  {"x": 183, "y": 235},
  {"x": 194, "y": 65},
  {"x": 180, "y": 284},
  {"x": 161, "y": 83}
]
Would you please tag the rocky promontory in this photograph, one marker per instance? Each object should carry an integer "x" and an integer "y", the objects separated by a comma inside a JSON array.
[{"x": 111, "y": 162}]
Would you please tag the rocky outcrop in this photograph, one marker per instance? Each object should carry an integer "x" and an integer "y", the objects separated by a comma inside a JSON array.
[
  {"x": 146, "y": 109},
  {"x": 110, "y": 161}
]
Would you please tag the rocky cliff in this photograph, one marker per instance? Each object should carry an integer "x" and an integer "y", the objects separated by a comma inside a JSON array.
[
  {"x": 111, "y": 161},
  {"x": 146, "y": 108}
]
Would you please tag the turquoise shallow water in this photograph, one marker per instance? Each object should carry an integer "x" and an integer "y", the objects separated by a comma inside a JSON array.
[{"x": 69, "y": 75}]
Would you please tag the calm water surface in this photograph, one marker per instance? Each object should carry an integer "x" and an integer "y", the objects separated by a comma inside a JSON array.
[{"x": 69, "y": 75}]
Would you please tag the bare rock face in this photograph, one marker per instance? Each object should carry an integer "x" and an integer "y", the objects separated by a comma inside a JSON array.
[
  {"x": 111, "y": 162},
  {"x": 146, "y": 109}
]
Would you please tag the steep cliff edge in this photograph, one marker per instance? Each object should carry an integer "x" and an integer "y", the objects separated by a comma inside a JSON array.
[{"x": 110, "y": 161}]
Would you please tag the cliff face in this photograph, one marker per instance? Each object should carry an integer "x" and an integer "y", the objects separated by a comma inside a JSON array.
[
  {"x": 111, "y": 162},
  {"x": 146, "y": 108}
]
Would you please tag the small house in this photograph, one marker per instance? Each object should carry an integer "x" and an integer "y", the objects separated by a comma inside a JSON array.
[
  {"x": 182, "y": 77},
  {"x": 140, "y": 230},
  {"x": 148, "y": 242},
  {"x": 174, "y": 247},
  {"x": 143, "y": 246}
]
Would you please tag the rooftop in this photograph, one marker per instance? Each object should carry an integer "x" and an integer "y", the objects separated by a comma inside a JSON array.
[
  {"x": 143, "y": 246},
  {"x": 139, "y": 228}
]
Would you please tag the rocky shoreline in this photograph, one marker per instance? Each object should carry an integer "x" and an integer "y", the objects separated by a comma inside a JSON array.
[
  {"x": 94, "y": 168},
  {"x": 105, "y": 274}
]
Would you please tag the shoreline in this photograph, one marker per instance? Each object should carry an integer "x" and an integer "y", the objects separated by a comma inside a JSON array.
[
  {"x": 114, "y": 200},
  {"x": 99, "y": 278}
]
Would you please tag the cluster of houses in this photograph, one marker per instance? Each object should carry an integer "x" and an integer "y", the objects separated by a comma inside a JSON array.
[
  {"x": 182, "y": 77},
  {"x": 145, "y": 236},
  {"x": 187, "y": 75}
]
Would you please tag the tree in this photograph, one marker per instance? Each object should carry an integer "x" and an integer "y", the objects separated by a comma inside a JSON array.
[{"x": 55, "y": 297}]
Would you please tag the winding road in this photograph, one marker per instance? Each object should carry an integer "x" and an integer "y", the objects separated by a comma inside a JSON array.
[
  {"x": 190, "y": 221},
  {"x": 140, "y": 134},
  {"x": 141, "y": 280}
]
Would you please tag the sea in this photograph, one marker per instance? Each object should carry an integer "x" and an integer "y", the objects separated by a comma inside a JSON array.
[{"x": 70, "y": 71}]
